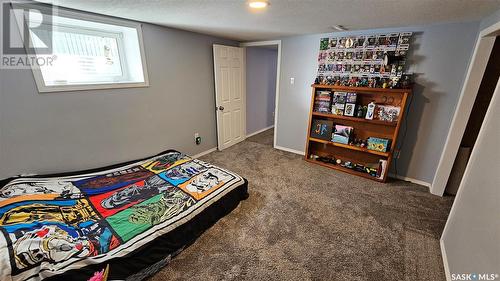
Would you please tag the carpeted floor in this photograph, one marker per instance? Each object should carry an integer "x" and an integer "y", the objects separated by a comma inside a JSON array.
[{"x": 306, "y": 222}]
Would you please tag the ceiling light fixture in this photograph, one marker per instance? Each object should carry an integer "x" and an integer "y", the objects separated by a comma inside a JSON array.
[
  {"x": 339, "y": 27},
  {"x": 258, "y": 4}
]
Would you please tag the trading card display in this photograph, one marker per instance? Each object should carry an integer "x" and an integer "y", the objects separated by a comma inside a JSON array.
[{"x": 363, "y": 60}]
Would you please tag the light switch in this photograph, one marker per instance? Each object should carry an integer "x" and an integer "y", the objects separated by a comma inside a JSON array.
[{"x": 292, "y": 81}]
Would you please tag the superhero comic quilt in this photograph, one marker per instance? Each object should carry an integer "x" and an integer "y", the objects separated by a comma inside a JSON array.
[{"x": 124, "y": 218}]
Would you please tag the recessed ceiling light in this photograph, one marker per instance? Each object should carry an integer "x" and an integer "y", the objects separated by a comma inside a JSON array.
[
  {"x": 339, "y": 27},
  {"x": 258, "y": 4}
]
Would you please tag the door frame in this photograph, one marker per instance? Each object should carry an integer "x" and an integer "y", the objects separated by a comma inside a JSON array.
[
  {"x": 470, "y": 88},
  {"x": 278, "y": 72}
]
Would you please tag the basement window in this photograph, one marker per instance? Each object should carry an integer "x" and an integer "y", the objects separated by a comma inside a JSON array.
[{"x": 88, "y": 52}]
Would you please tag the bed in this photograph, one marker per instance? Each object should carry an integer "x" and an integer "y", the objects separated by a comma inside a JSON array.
[{"x": 122, "y": 222}]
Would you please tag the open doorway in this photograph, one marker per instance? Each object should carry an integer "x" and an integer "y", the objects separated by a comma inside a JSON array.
[
  {"x": 262, "y": 69},
  {"x": 476, "y": 72},
  {"x": 481, "y": 103}
]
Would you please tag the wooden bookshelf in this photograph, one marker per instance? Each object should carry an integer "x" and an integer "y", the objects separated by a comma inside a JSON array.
[{"x": 363, "y": 128}]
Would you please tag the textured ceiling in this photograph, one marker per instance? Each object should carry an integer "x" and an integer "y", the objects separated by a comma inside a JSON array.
[{"x": 233, "y": 19}]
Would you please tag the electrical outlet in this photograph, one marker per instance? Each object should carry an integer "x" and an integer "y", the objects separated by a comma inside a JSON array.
[
  {"x": 197, "y": 138},
  {"x": 292, "y": 81}
]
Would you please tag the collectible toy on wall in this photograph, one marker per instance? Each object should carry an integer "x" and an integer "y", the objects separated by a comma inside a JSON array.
[
  {"x": 322, "y": 129},
  {"x": 376, "y": 61}
]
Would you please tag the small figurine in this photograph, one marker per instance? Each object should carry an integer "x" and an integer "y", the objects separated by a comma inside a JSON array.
[
  {"x": 363, "y": 143},
  {"x": 348, "y": 165},
  {"x": 359, "y": 113},
  {"x": 370, "y": 111}
]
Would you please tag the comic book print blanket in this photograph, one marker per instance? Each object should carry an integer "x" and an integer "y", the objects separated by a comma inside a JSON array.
[{"x": 51, "y": 225}]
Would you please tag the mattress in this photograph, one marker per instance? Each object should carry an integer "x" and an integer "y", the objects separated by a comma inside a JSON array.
[{"x": 123, "y": 222}]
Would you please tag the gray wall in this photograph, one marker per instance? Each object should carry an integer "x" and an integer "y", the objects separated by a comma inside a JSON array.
[
  {"x": 490, "y": 20},
  {"x": 472, "y": 231},
  {"x": 439, "y": 56},
  {"x": 54, "y": 132},
  {"x": 261, "y": 87}
]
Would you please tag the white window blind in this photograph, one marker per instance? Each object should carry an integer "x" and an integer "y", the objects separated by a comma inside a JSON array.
[{"x": 85, "y": 58}]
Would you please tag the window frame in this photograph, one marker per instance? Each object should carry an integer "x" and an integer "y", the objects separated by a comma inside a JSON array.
[{"x": 37, "y": 74}]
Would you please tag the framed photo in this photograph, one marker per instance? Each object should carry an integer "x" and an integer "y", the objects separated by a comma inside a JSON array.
[
  {"x": 349, "y": 109},
  {"x": 322, "y": 129}
]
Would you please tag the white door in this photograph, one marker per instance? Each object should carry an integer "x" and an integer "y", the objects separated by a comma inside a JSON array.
[{"x": 230, "y": 95}]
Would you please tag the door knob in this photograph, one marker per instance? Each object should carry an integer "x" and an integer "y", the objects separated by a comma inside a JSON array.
[{"x": 221, "y": 108}]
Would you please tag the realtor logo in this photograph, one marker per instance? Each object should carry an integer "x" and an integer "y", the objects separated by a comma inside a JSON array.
[
  {"x": 474, "y": 276},
  {"x": 22, "y": 18},
  {"x": 26, "y": 34}
]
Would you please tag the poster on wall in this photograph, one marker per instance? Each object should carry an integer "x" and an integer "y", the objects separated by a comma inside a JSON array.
[{"x": 363, "y": 60}]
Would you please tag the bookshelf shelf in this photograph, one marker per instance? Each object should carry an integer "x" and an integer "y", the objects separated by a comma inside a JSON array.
[
  {"x": 346, "y": 170},
  {"x": 363, "y": 128},
  {"x": 355, "y": 119},
  {"x": 361, "y": 90},
  {"x": 352, "y": 147}
]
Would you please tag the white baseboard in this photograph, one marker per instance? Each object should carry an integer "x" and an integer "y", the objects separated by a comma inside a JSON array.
[
  {"x": 445, "y": 260},
  {"x": 426, "y": 184},
  {"x": 260, "y": 131},
  {"x": 289, "y": 150},
  {"x": 204, "y": 153}
]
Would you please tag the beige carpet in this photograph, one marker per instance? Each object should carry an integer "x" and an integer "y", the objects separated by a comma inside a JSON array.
[{"x": 306, "y": 222}]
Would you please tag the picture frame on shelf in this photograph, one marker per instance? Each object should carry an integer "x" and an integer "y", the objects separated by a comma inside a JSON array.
[
  {"x": 342, "y": 134},
  {"x": 322, "y": 129}
]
